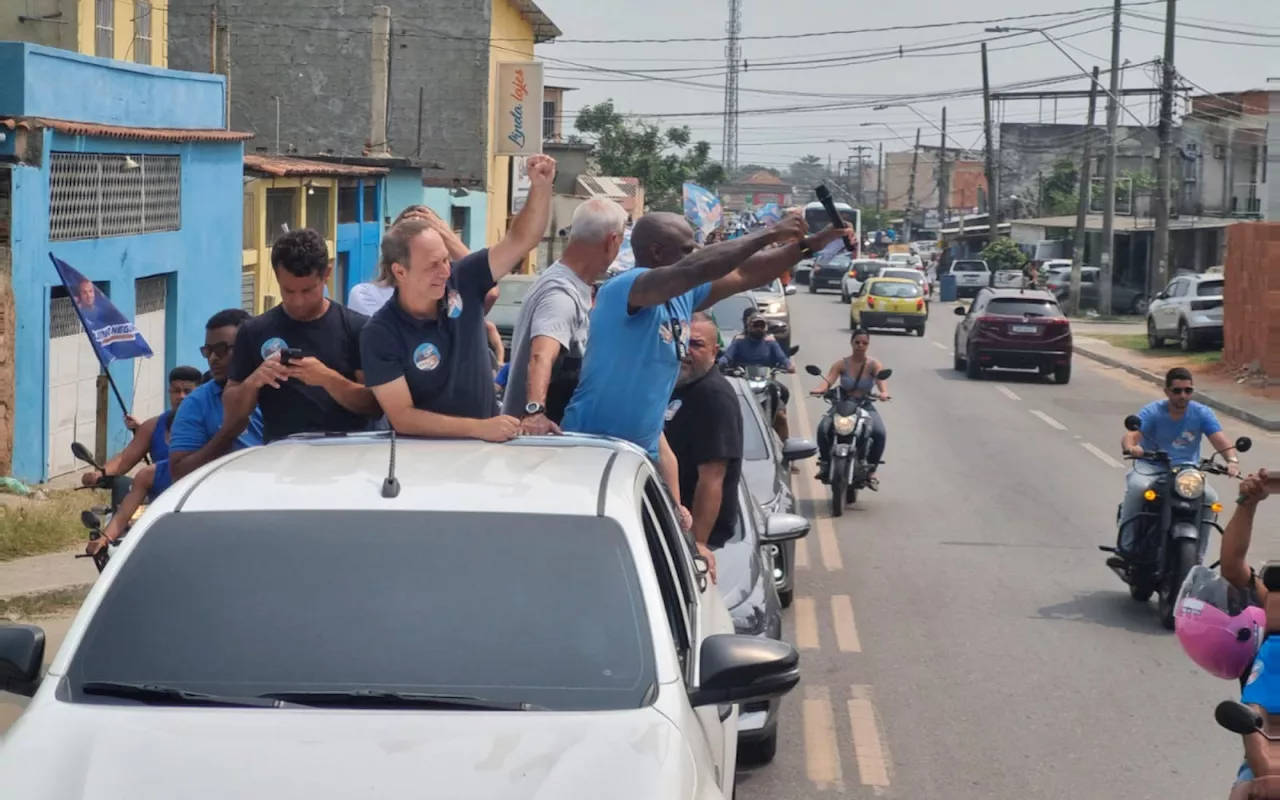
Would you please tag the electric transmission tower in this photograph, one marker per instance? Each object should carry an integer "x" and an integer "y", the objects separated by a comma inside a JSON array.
[{"x": 733, "y": 59}]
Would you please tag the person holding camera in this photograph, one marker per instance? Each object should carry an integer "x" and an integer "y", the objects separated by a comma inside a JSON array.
[{"x": 300, "y": 362}]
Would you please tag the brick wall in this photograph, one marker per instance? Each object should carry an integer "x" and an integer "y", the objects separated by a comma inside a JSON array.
[{"x": 1251, "y": 325}]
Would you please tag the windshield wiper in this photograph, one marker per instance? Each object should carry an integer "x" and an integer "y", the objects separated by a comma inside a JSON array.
[
  {"x": 158, "y": 694},
  {"x": 366, "y": 698}
]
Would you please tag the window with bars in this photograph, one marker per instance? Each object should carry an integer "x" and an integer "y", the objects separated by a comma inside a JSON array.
[
  {"x": 63, "y": 319},
  {"x": 250, "y": 235},
  {"x": 459, "y": 217},
  {"x": 104, "y": 42},
  {"x": 96, "y": 195},
  {"x": 548, "y": 120},
  {"x": 348, "y": 202},
  {"x": 370, "y": 202},
  {"x": 142, "y": 31},
  {"x": 149, "y": 294},
  {"x": 318, "y": 211},
  {"x": 282, "y": 213}
]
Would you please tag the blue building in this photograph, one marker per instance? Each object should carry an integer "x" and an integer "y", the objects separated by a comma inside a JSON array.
[{"x": 129, "y": 174}]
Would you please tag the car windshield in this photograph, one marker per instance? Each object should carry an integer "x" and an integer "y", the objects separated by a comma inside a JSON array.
[
  {"x": 532, "y": 608},
  {"x": 728, "y": 312},
  {"x": 894, "y": 289},
  {"x": 866, "y": 268},
  {"x": 753, "y": 446},
  {"x": 1019, "y": 307},
  {"x": 1209, "y": 289},
  {"x": 771, "y": 288},
  {"x": 511, "y": 293},
  {"x": 841, "y": 260},
  {"x": 969, "y": 266},
  {"x": 907, "y": 274}
]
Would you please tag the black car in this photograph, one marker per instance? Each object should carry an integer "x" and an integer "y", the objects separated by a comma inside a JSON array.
[
  {"x": 830, "y": 273},
  {"x": 766, "y": 467},
  {"x": 743, "y": 568}
]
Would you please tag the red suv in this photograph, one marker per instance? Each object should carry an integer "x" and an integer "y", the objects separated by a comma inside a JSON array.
[{"x": 1022, "y": 329}]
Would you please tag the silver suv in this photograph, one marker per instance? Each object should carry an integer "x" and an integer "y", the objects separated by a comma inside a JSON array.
[{"x": 1190, "y": 308}]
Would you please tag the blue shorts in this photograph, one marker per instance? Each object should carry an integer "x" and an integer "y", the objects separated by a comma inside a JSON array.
[
  {"x": 1245, "y": 774},
  {"x": 163, "y": 480}
]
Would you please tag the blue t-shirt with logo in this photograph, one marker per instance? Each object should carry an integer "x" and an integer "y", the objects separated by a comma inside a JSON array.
[
  {"x": 1179, "y": 438},
  {"x": 630, "y": 366},
  {"x": 748, "y": 352},
  {"x": 1262, "y": 687},
  {"x": 199, "y": 418}
]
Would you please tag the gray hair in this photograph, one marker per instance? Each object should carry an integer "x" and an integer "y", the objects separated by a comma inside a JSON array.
[{"x": 596, "y": 219}]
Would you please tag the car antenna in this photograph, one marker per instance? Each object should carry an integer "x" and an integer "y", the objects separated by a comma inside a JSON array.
[{"x": 391, "y": 486}]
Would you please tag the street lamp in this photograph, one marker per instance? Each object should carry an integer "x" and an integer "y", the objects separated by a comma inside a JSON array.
[{"x": 885, "y": 125}]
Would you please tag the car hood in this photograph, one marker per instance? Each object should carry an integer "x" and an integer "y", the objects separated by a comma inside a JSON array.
[{"x": 96, "y": 752}]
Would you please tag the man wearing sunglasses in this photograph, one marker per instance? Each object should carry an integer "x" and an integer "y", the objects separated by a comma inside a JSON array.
[
  {"x": 1175, "y": 425},
  {"x": 198, "y": 435}
]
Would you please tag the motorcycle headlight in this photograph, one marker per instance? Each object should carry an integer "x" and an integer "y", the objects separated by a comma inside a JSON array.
[
  {"x": 1189, "y": 484},
  {"x": 843, "y": 425},
  {"x": 757, "y": 386}
]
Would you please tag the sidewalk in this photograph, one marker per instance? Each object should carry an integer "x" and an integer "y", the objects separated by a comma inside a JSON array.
[
  {"x": 1216, "y": 385},
  {"x": 42, "y": 574}
]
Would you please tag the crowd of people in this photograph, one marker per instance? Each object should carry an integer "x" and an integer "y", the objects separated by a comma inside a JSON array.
[{"x": 413, "y": 352}]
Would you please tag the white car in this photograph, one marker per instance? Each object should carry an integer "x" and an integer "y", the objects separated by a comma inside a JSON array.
[
  {"x": 1189, "y": 309},
  {"x": 972, "y": 275},
  {"x": 909, "y": 259},
  {"x": 857, "y": 274},
  {"x": 509, "y": 621}
]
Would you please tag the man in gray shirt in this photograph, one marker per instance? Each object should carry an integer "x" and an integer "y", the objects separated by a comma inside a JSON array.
[{"x": 550, "y": 335}]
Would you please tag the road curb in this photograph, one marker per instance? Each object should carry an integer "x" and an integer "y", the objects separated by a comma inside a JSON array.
[
  {"x": 1229, "y": 409},
  {"x": 17, "y": 606}
]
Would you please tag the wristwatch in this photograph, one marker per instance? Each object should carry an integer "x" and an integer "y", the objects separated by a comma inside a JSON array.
[
  {"x": 533, "y": 409},
  {"x": 805, "y": 249}
]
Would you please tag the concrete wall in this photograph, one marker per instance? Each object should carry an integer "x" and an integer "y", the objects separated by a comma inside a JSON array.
[
  {"x": 202, "y": 260},
  {"x": 47, "y": 82},
  {"x": 315, "y": 56},
  {"x": 63, "y": 33},
  {"x": 404, "y": 188},
  {"x": 1228, "y": 157},
  {"x": 74, "y": 28},
  {"x": 966, "y": 177},
  {"x": 1028, "y": 150}
]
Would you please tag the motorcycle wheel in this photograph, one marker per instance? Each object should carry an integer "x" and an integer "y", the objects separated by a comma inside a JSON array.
[
  {"x": 851, "y": 495},
  {"x": 838, "y": 489},
  {"x": 1182, "y": 557},
  {"x": 1141, "y": 592}
]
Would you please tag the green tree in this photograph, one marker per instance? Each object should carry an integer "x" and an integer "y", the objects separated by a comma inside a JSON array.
[
  {"x": 1003, "y": 253},
  {"x": 808, "y": 170},
  {"x": 662, "y": 159},
  {"x": 1062, "y": 189}
]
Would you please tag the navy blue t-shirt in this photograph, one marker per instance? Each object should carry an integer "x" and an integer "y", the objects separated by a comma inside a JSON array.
[{"x": 445, "y": 360}]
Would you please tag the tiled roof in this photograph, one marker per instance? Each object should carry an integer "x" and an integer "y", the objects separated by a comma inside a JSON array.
[
  {"x": 285, "y": 166},
  {"x": 544, "y": 30},
  {"x": 609, "y": 187},
  {"x": 72, "y": 128}
]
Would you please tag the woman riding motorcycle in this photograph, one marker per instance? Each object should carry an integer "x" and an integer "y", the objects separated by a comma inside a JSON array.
[{"x": 856, "y": 375}]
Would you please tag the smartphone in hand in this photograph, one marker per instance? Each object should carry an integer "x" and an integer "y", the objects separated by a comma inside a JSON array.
[{"x": 289, "y": 354}]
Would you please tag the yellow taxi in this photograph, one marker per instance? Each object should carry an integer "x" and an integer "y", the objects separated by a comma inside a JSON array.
[{"x": 889, "y": 303}]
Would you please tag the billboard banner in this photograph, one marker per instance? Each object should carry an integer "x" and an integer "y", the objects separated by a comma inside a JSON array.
[{"x": 519, "y": 113}]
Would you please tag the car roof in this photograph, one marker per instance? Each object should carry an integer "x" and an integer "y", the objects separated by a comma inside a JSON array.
[
  {"x": 535, "y": 475},
  {"x": 1199, "y": 276},
  {"x": 903, "y": 270},
  {"x": 885, "y": 279},
  {"x": 1033, "y": 294}
]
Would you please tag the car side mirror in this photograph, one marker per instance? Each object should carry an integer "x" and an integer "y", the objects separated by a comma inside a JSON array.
[
  {"x": 1244, "y": 444},
  {"x": 1132, "y": 423},
  {"x": 21, "y": 657},
  {"x": 744, "y": 669},
  {"x": 1162, "y": 296},
  {"x": 884, "y": 374},
  {"x": 90, "y": 520},
  {"x": 790, "y": 290},
  {"x": 785, "y": 527},
  {"x": 82, "y": 453},
  {"x": 1238, "y": 718},
  {"x": 796, "y": 449},
  {"x": 814, "y": 371},
  {"x": 960, "y": 311}
]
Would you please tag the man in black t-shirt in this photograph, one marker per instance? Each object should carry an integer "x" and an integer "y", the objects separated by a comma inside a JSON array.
[
  {"x": 426, "y": 351},
  {"x": 704, "y": 429},
  {"x": 300, "y": 361}
]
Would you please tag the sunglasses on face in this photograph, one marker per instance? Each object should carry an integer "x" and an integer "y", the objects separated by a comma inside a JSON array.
[
  {"x": 220, "y": 349},
  {"x": 1188, "y": 391}
]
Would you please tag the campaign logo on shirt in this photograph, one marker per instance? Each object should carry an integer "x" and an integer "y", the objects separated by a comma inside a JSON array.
[
  {"x": 455, "y": 304},
  {"x": 272, "y": 346},
  {"x": 426, "y": 357},
  {"x": 1256, "y": 672},
  {"x": 1185, "y": 439},
  {"x": 673, "y": 408}
]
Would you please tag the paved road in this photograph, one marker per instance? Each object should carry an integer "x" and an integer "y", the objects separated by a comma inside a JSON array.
[{"x": 960, "y": 635}]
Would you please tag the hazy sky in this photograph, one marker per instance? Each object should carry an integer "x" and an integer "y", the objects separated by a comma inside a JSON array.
[{"x": 1222, "y": 46}]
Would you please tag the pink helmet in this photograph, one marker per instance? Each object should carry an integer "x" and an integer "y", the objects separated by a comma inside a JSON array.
[{"x": 1216, "y": 626}]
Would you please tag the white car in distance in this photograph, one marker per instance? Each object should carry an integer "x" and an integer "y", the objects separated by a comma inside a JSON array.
[{"x": 499, "y": 621}]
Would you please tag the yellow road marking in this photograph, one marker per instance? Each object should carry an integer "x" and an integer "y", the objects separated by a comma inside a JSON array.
[
  {"x": 868, "y": 750},
  {"x": 821, "y": 752},
  {"x": 846, "y": 630},
  {"x": 802, "y": 553},
  {"x": 828, "y": 545},
  {"x": 806, "y": 621}
]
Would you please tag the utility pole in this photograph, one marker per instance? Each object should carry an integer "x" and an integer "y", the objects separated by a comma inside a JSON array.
[
  {"x": 733, "y": 60},
  {"x": 1158, "y": 275},
  {"x": 879, "y": 179},
  {"x": 1109, "y": 184},
  {"x": 944, "y": 177},
  {"x": 860, "y": 149},
  {"x": 911, "y": 189},
  {"x": 1086, "y": 191},
  {"x": 993, "y": 179}
]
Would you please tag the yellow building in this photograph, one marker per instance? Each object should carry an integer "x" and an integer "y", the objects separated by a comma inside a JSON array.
[
  {"x": 283, "y": 194},
  {"x": 129, "y": 30},
  {"x": 517, "y": 25}
]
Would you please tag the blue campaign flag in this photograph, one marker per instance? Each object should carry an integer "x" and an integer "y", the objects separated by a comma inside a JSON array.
[
  {"x": 626, "y": 256},
  {"x": 111, "y": 334},
  {"x": 769, "y": 214},
  {"x": 703, "y": 209}
]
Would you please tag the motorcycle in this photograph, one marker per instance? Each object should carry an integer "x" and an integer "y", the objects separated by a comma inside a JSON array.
[
  {"x": 96, "y": 518},
  {"x": 848, "y": 469},
  {"x": 1169, "y": 540},
  {"x": 763, "y": 382},
  {"x": 1246, "y": 721}
]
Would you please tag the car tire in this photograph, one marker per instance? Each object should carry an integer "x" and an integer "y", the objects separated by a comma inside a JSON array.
[
  {"x": 971, "y": 367},
  {"x": 844, "y": 296},
  {"x": 957, "y": 361},
  {"x": 853, "y": 322},
  {"x": 813, "y": 287},
  {"x": 920, "y": 330},
  {"x": 760, "y": 752},
  {"x": 1186, "y": 339},
  {"x": 1154, "y": 340},
  {"x": 785, "y": 596},
  {"x": 1062, "y": 374}
]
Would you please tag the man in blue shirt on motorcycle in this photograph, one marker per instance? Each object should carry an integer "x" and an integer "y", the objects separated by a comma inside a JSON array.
[
  {"x": 757, "y": 349},
  {"x": 1176, "y": 426}
]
